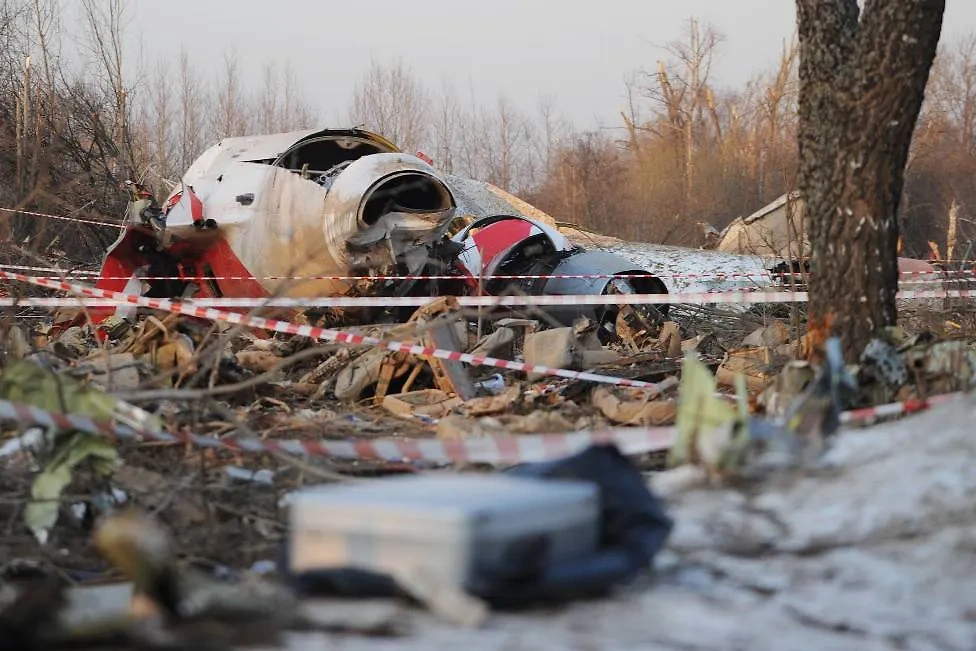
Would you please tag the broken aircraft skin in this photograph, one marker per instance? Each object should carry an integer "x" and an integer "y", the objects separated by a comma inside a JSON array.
[{"x": 291, "y": 214}]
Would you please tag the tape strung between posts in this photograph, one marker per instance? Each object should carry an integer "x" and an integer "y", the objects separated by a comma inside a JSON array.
[
  {"x": 491, "y": 450},
  {"x": 896, "y": 408},
  {"x": 67, "y": 218},
  {"x": 961, "y": 275},
  {"x": 419, "y": 301},
  {"x": 332, "y": 335},
  {"x": 698, "y": 298}
]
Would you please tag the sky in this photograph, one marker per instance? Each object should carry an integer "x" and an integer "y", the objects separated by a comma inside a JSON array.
[{"x": 577, "y": 53}]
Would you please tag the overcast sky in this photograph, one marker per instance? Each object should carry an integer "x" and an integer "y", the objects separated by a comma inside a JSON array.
[{"x": 579, "y": 52}]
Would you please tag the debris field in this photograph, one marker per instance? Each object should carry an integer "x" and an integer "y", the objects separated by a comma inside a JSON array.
[{"x": 450, "y": 403}]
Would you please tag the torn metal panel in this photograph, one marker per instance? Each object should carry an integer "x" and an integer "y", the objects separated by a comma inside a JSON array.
[
  {"x": 482, "y": 199},
  {"x": 693, "y": 270},
  {"x": 280, "y": 149},
  {"x": 632, "y": 279},
  {"x": 778, "y": 233},
  {"x": 490, "y": 243},
  {"x": 496, "y": 248},
  {"x": 774, "y": 231}
]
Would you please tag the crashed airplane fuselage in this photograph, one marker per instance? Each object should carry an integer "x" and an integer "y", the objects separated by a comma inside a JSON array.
[{"x": 344, "y": 212}]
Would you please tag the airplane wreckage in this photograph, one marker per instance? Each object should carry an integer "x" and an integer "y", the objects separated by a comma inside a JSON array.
[{"x": 344, "y": 212}]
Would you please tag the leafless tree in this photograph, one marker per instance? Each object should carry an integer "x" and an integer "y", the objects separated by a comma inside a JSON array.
[
  {"x": 505, "y": 133},
  {"x": 778, "y": 106},
  {"x": 158, "y": 119},
  {"x": 231, "y": 115},
  {"x": 61, "y": 149},
  {"x": 278, "y": 104},
  {"x": 447, "y": 130},
  {"x": 684, "y": 94},
  {"x": 389, "y": 100},
  {"x": 193, "y": 106},
  {"x": 105, "y": 22},
  {"x": 955, "y": 89},
  {"x": 862, "y": 81},
  {"x": 269, "y": 100},
  {"x": 551, "y": 133},
  {"x": 296, "y": 112}
]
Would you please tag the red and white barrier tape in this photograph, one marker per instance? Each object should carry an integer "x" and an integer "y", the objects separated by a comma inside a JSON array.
[
  {"x": 943, "y": 276},
  {"x": 420, "y": 301},
  {"x": 491, "y": 450},
  {"x": 338, "y": 336},
  {"x": 66, "y": 218},
  {"x": 922, "y": 282},
  {"x": 61, "y": 272},
  {"x": 94, "y": 275},
  {"x": 686, "y": 298},
  {"x": 896, "y": 408}
]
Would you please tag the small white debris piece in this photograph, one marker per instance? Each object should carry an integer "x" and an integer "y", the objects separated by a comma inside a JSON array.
[
  {"x": 257, "y": 476},
  {"x": 30, "y": 440},
  {"x": 447, "y": 601}
]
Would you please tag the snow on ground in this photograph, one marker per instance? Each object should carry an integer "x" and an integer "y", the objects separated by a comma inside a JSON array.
[{"x": 874, "y": 551}]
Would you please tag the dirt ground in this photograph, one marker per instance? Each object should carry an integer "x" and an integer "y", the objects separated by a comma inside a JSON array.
[
  {"x": 224, "y": 520},
  {"x": 741, "y": 564}
]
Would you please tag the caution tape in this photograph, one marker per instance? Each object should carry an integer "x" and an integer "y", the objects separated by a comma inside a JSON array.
[
  {"x": 493, "y": 450},
  {"x": 419, "y": 301},
  {"x": 326, "y": 334},
  {"x": 67, "y": 218},
  {"x": 60, "y": 272},
  {"x": 381, "y": 278},
  {"x": 958, "y": 275},
  {"x": 716, "y": 276},
  {"x": 896, "y": 408},
  {"x": 490, "y": 450},
  {"x": 511, "y": 301}
]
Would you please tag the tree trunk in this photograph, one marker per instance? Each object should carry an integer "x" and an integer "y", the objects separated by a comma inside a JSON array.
[{"x": 862, "y": 81}]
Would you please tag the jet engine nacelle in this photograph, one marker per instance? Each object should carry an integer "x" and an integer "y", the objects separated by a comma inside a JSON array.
[{"x": 380, "y": 207}]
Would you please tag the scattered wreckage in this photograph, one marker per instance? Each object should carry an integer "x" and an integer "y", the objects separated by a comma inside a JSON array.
[
  {"x": 343, "y": 212},
  {"x": 778, "y": 232},
  {"x": 781, "y": 417}
]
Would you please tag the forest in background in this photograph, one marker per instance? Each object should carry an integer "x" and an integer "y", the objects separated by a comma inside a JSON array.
[{"x": 78, "y": 118}]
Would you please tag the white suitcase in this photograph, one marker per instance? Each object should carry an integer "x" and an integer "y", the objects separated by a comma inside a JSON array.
[{"x": 440, "y": 524}]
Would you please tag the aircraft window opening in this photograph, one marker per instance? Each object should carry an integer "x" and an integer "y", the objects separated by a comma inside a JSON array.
[
  {"x": 409, "y": 192},
  {"x": 322, "y": 155}
]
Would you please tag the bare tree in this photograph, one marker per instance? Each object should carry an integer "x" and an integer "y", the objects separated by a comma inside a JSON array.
[
  {"x": 105, "y": 22},
  {"x": 778, "y": 105},
  {"x": 295, "y": 112},
  {"x": 389, "y": 100},
  {"x": 505, "y": 135},
  {"x": 552, "y": 130},
  {"x": 158, "y": 120},
  {"x": 956, "y": 92},
  {"x": 683, "y": 95},
  {"x": 193, "y": 104},
  {"x": 268, "y": 100},
  {"x": 862, "y": 81},
  {"x": 448, "y": 128},
  {"x": 231, "y": 117}
]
